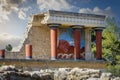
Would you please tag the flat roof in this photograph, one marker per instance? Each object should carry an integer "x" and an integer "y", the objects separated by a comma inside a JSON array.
[{"x": 76, "y": 14}]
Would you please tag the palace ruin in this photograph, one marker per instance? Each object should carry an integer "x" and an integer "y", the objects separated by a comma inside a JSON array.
[{"x": 63, "y": 35}]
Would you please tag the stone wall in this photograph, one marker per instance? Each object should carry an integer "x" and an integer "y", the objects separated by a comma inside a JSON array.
[
  {"x": 39, "y": 38},
  {"x": 12, "y": 73}
]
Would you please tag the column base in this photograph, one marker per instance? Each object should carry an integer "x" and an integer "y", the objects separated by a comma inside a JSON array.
[
  {"x": 77, "y": 59},
  {"x": 99, "y": 58},
  {"x": 2, "y": 58},
  {"x": 89, "y": 56},
  {"x": 28, "y": 57},
  {"x": 53, "y": 58}
]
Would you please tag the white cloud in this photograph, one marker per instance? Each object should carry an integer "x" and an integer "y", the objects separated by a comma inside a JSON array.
[
  {"x": 3, "y": 14},
  {"x": 53, "y": 5},
  {"x": 85, "y": 10},
  {"x": 6, "y": 39},
  {"x": 96, "y": 10},
  {"x": 8, "y": 6},
  {"x": 22, "y": 14}
]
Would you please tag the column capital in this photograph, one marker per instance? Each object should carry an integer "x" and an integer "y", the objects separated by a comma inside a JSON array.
[
  {"x": 77, "y": 26},
  {"x": 76, "y": 29},
  {"x": 88, "y": 28},
  {"x": 53, "y": 25},
  {"x": 99, "y": 28}
]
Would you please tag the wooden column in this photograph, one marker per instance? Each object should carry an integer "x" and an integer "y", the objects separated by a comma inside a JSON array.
[
  {"x": 28, "y": 49},
  {"x": 98, "y": 44},
  {"x": 77, "y": 44},
  {"x": 2, "y": 54},
  {"x": 53, "y": 36}
]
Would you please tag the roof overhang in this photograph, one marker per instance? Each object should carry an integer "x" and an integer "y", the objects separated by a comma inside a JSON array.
[{"x": 70, "y": 18}]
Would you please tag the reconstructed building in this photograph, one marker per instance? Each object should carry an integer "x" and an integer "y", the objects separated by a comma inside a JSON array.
[{"x": 63, "y": 35}]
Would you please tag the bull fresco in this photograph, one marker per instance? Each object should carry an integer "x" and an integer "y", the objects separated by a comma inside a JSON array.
[{"x": 66, "y": 44}]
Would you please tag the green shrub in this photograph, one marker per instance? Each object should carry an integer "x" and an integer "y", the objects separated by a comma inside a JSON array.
[{"x": 115, "y": 70}]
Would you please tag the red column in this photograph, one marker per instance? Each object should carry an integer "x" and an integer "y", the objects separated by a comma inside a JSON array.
[
  {"x": 2, "y": 54},
  {"x": 28, "y": 49},
  {"x": 53, "y": 36},
  {"x": 98, "y": 44},
  {"x": 77, "y": 44},
  {"x": 53, "y": 32}
]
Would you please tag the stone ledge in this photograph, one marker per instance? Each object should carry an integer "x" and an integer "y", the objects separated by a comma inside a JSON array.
[{"x": 54, "y": 64}]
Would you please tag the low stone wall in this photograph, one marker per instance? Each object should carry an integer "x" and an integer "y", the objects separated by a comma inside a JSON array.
[
  {"x": 13, "y": 73},
  {"x": 54, "y": 64},
  {"x": 14, "y": 55}
]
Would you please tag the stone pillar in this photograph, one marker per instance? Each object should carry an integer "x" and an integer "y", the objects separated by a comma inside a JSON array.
[
  {"x": 98, "y": 44},
  {"x": 77, "y": 44},
  {"x": 2, "y": 54},
  {"x": 28, "y": 49},
  {"x": 88, "y": 54},
  {"x": 53, "y": 35}
]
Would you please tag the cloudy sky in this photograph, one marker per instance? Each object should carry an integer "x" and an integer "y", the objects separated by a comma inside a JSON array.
[{"x": 14, "y": 14}]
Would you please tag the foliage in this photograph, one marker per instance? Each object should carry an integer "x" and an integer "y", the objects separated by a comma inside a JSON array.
[
  {"x": 8, "y": 47},
  {"x": 115, "y": 70},
  {"x": 111, "y": 43},
  {"x": 110, "y": 46}
]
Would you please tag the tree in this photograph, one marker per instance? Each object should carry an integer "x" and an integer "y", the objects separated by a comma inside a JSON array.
[
  {"x": 8, "y": 47},
  {"x": 110, "y": 46},
  {"x": 110, "y": 41}
]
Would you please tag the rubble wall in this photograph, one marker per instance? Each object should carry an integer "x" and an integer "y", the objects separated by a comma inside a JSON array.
[{"x": 39, "y": 38}]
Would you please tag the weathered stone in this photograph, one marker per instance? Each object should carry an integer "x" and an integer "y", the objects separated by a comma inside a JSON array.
[
  {"x": 106, "y": 76},
  {"x": 61, "y": 74},
  {"x": 8, "y": 68},
  {"x": 95, "y": 75},
  {"x": 93, "y": 79},
  {"x": 26, "y": 73},
  {"x": 74, "y": 71},
  {"x": 84, "y": 77},
  {"x": 55, "y": 74},
  {"x": 35, "y": 75},
  {"x": 116, "y": 78}
]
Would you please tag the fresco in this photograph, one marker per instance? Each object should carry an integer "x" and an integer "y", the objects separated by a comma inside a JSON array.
[{"x": 66, "y": 44}]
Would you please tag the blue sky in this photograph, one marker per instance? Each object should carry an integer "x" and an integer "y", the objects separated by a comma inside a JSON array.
[{"x": 14, "y": 14}]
